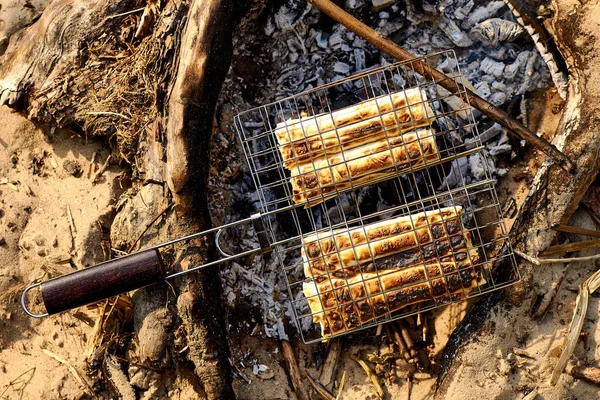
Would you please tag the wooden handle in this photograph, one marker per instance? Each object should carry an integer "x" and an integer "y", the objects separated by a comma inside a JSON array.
[{"x": 103, "y": 281}]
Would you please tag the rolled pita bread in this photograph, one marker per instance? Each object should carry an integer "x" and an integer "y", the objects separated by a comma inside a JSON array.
[
  {"x": 341, "y": 305},
  {"x": 414, "y": 239},
  {"x": 321, "y": 177},
  {"x": 305, "y": 138}
]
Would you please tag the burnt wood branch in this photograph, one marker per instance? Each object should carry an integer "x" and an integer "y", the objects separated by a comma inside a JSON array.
[
  {"x": 576, "y": 230},
  {"x": 589, "y": 374},
  {"x": 496, "y": 114},
  {"x": 293, "y": 370},
  {"x": 330, "y": 363},
  {"x": 570, "y": 247}
]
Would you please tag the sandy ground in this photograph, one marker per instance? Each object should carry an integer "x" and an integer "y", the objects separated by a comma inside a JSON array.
[{"x": 35, "y": 192}]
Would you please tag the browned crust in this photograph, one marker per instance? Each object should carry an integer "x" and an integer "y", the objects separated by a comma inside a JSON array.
[
  {"x": 341, "y": 305},
  {"x": 320, "y": 178},
  {"x": 307, "y": 137},
  {"x": 413, "y": 239}
]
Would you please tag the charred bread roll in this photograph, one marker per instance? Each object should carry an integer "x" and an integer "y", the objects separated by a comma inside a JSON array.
[
  {"x": 307, "y": 137},
  {"x": 341, "y": 305},
  {"x": 321, "y": 177},
  {"x": 414, "y": 239}
]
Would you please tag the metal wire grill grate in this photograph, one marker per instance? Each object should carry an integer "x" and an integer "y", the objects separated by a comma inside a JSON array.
[{"x": 344, "y": 272}]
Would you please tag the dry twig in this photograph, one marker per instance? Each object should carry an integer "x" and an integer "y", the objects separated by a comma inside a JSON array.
[
  {"x": 540, "y": 261},
  {"x": 397, "y": 337},
  {"x": 18, "y": 380},
  {"x": 341, "y": 387},
  {"x": 167, "y": 208},
  {"x": 71, "y": 369},
  {"x": 328, "y": 368},
  {"x": 101, "y": 170},
  {"x": 581, "y": 305}
]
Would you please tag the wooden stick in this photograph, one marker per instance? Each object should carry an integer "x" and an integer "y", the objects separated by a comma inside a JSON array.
[
  {"x": 321, "y": 391},
  {"x": 333, "y": 355},
  {"x": 540, "y": 261},
  {"x": 397, "y": 337},
  {"x": 590, "y": 374},
  {"x": 448, "y": 83},
  {"x": 292, "y": 366},
  {"x": 577, "y": 230},
  {"x": 570, "y": 247}
]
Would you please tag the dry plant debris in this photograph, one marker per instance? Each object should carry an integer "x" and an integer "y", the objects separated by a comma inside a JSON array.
[{"x": 581, "y": 306}]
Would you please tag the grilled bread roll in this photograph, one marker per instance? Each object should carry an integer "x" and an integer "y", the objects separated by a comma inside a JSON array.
[
  {"x": 414, "y": 238},
  {"x": 305, "y": 138},
  {"x": 320, "y": 178},
  {"x": 341, "y": 305}
]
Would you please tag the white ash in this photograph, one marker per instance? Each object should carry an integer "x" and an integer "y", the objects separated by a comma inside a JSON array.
[
  {"x": 494, "y": 31},
  {"x": 505, "y": 148},
  {"x": 454, "y": 33},
  {"x": 458, "y": 170},
  {"x": 492, "y": 67},
  {"x": 341, "y": 67},
  {"x": 482, "y": 12},
  {"x": 479, "y": 168},
  {"x": 485, "y": 136}
]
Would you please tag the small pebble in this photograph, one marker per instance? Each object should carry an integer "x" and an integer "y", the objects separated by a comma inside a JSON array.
[{"x": 2, "y": 241}]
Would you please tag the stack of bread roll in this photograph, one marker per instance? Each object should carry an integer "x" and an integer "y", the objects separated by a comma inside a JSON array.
[
  {"x": 351, "y": 146},
  {"x": 359, "y": 274}
]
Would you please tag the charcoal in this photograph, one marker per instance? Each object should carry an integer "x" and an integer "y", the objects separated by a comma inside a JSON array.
[
  {"x": 483, "y": 12},
  {"x": 454, "y": 33},
  {"x": 290, "y": 13},
  {"x": 494, "y": 31},
  {"x": 341, "y": 67},
  {"x": 492, "y": 67}
]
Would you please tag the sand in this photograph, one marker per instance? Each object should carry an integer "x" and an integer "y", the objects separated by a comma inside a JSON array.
[{"x": 35, "y": 228}]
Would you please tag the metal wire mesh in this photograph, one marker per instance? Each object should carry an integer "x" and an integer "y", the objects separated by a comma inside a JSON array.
[{"x": 452, "y": 228}]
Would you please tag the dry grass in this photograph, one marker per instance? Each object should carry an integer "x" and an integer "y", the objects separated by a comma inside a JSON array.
[{"x": 125, "y": 94}]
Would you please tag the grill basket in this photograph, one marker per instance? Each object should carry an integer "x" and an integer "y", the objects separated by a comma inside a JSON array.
[{"x": 415, "y": 187}]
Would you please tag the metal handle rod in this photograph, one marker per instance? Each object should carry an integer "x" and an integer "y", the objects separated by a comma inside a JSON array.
[
  {"x": 219, "y": 261},
  {"x": 203, "y": 233}
]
